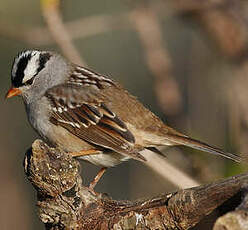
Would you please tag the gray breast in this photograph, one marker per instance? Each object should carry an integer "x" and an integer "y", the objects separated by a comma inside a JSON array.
[{"x": 38, "y": 116}]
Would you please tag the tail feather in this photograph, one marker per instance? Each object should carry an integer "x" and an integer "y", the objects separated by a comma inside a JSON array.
[{"x": 195, "y": 144}]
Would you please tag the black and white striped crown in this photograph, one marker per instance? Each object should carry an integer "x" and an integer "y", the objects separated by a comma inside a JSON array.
[{"x": 27, "y": 65}]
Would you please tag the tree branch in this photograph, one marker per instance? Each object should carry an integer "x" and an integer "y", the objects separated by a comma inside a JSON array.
[
  {"x": 52, "y": 16},
  {"x": 64, "y": 203},
  {"x": 146, "y": 22},
  {"x": 237, "y": 219}
]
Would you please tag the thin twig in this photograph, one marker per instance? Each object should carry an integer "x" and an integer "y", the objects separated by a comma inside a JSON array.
[
  {"x": 51, "y": 13},
  {"x": 157, "y": 58},
  {"x": 168, "y": 171},
  {"x": 79, "y": 28}
]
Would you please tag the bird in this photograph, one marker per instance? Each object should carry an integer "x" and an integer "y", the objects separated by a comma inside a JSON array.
[{"x": 90, "y": 115}]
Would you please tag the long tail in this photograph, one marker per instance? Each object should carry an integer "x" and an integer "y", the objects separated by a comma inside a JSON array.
[{"x": 195, "y": 144}]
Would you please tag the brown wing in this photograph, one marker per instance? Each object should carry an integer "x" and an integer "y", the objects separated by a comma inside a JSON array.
[{"x": 81, "y": 110}]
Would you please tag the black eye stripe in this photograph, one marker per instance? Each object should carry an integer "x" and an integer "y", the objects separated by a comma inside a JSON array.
[{"x": 29, "y": 82}]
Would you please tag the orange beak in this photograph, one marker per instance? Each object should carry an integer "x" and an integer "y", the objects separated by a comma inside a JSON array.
[{"x": 12, "y": 92}]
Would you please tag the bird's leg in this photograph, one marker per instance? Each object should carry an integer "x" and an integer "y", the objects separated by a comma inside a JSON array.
[
  {"x": 85, "y": 153},
  {"x": 97, "y": 178}
]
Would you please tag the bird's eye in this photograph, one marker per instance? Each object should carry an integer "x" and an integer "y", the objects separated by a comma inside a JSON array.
[{"x": 29, "y": 82}]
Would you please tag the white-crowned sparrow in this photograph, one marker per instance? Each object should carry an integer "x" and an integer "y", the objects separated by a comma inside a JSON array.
[{"x": 90, "y": 115}]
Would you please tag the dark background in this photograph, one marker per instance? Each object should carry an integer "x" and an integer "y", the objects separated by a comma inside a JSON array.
[{"x": 196, "y": 83}]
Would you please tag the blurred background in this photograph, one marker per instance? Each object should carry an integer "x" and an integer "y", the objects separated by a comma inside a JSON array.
[{"x": 184, "y": 60}]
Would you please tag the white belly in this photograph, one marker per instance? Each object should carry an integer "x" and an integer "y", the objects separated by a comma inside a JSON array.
[{"x": 108, "y": 159}]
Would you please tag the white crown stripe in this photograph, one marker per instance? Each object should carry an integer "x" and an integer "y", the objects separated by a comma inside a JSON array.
[{"x": 32, "y": 67}]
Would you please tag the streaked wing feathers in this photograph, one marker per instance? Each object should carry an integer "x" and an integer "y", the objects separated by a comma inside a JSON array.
[{"x": 81, "y": 111}]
